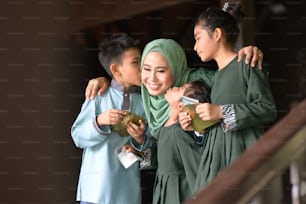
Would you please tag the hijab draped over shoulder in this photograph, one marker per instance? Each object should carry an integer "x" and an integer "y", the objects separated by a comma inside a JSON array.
[{"x": 156, "y": 107}]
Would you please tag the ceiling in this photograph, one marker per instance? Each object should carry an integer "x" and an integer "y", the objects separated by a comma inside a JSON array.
[{"x": 91, "y": 13}]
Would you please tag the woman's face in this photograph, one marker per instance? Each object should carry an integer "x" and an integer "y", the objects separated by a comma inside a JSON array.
[{"x": 156, "y": 74}]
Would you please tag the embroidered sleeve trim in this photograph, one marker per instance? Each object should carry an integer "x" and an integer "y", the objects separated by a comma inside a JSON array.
[{"x": 229, "y": 122}]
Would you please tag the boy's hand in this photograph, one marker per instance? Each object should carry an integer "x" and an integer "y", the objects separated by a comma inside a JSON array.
[
  {"x": 136, "y": 131},
  {"x": 127, "y": 148},
  {"x": 185, "y": 121},
  {"x": 96, "y": 86},
  {"x": 111, "y": 117}
]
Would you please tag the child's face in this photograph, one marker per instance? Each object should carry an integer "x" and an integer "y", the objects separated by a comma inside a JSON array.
[
  {"x": 130, "y": 67},
  {"x": 156, "y": 74},
  {"x": 204, "y": 43}
]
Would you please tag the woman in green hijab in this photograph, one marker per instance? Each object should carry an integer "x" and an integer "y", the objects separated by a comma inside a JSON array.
[{"x": 164, "y": 66}]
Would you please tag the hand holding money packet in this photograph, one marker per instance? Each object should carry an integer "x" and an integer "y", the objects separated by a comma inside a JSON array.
[
  {"x": 121, "y": 128},
  {"x": 197, "y": 123}
]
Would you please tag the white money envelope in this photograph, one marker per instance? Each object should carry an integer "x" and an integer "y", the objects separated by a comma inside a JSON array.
[{"x": 127, "y": 158}]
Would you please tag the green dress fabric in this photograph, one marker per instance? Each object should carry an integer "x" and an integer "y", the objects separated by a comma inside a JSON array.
[
  {"x": 249, "y": 91},
  {"x": 203, "y": 74},
  {"x": 178, "y": 161}
]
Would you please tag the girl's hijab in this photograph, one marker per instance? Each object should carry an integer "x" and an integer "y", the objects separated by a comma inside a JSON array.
[{"x": 156, "y": 107}]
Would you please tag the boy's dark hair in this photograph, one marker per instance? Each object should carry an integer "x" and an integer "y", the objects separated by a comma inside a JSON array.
[
  {"x": 197, "y": 90},
  {"x": 112, "y": 48}
]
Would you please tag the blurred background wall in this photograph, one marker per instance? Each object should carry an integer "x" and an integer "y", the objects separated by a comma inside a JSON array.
[{"x": 48, "y": 53}]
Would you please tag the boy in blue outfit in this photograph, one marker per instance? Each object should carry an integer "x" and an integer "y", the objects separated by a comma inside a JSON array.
[{"x": 103, "y": 178}]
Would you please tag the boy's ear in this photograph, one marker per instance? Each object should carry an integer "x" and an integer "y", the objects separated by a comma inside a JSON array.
[{"x": 114, "y": 69}]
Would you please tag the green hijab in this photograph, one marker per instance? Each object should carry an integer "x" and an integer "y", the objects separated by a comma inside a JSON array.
[{"x": 156, "y": 107}]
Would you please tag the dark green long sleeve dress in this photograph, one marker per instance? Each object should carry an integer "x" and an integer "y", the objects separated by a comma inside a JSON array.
[
  {"x": 178, "y": 161},
  {"x": 247, "y": 105}
]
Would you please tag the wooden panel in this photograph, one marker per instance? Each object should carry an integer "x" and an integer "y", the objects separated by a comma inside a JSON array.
[{"x": 84, "y": 14}]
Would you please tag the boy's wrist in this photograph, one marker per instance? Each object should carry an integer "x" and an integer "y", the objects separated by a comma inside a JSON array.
[
  {"x": 98, "y": 120},
  {"x": 139, "y": 139}
]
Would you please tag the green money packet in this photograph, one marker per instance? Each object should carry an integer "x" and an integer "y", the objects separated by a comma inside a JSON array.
[
  {"x": 197, "y": 123},
  {"x": 121, "y": 128}
]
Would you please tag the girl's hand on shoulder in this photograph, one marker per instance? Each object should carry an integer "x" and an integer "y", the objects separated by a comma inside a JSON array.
[
  {"x": 137, "y": 131},
  {"x": 209, "y": 111}
]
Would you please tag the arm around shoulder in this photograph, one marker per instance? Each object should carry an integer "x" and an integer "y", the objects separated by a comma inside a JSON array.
[{"x": 203, "y": 74}]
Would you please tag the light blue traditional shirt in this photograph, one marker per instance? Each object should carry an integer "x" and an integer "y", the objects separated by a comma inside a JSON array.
[{"x": 103, "y": 179}]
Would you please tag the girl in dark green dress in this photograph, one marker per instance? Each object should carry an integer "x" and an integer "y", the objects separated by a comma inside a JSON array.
[{"x": 241, "y": 96}]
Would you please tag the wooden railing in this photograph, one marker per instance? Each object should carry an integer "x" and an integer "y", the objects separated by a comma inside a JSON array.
[{"x": 277, "y": 150}]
